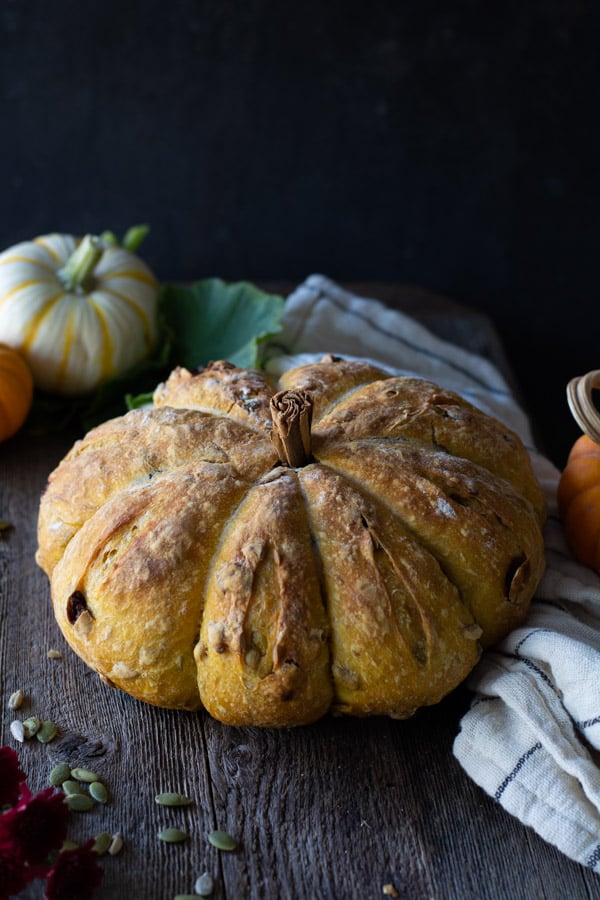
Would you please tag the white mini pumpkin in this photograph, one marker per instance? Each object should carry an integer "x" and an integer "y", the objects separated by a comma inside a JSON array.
[{"x": 79, "y": 311}]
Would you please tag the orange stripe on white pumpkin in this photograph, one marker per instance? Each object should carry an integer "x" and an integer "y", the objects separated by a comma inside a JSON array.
[
  {"x": 45, "y": 243},
  {"x": 23, "y": 285},
  {"x": 28, "y": 260},
  {"x": 31, "y": 328},
  {"x": 106, "y": 357},
  {"x": 138, "y": 309}
]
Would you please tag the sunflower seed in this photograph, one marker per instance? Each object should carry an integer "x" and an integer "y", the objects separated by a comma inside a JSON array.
[
  {"x": 172, "y": 835},
  {"x": 17, "y": 730},
  {"x": 172, "y": 798},
  {"x": 116, "y": 845},
  {"x": 15, "y": 701},
  {"x": 79, "y": 802},
  {"x": 204, "y": 885},
  {"x": 221, "y": 840},
  {"x": 59, "y": 774}
]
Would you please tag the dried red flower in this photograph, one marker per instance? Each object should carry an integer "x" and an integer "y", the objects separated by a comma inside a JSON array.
[
  {"x": 11, "y": 777},
  {"x": 13, "y": 877},
  {"x": 75, "y": 874},
  {"x": 34, "y": 827}
]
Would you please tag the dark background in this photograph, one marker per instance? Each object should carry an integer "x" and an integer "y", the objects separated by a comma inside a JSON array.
[{"x": 451, "y": 145}]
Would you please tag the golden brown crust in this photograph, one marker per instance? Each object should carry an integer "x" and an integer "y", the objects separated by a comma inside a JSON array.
[
  {"x": 189, "y": 567},
  {"x": 420, "y": 410},
  {"x": 265, "y": 625},
  {"x": 400, "y": 630},
  {"x": 222, "y": 389}
]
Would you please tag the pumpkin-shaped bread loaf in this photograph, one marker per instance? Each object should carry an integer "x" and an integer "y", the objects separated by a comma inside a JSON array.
[{"x": 347, "y": 543}]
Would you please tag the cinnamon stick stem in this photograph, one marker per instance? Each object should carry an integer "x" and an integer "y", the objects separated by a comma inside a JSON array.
[{"x": 291, "y": 412}]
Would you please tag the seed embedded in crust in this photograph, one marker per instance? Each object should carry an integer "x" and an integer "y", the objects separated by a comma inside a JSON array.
[{"x": 76, "y": 604}]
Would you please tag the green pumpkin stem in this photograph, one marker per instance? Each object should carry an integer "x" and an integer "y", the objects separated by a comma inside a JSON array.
[{"x": 78, "y": 270}]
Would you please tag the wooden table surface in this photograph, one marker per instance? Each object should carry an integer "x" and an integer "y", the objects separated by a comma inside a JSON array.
[{"x": 336, "y": 810}]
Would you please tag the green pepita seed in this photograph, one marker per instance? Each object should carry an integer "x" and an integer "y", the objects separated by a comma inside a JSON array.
[
  {"x": 47, "y": 732},
  {"x": 221, "y": 840},
  {"x": 84, "y": 775},
  {"x": 172, "y": 835},
  {"x": 171, "y": 798},
  {"x": 98, "y": 791},
  {"x": 5, "y": 525},
  {"x": 79, "y": 802},
  {"x": 68, "y": 845},
  {"x": 185, "y": 897},
  {"x": 31, "y": 726},
  {"x": 59, "y": 774},
  {"x": 102, "y": 842},
  {"x": 73, "y": 787}
]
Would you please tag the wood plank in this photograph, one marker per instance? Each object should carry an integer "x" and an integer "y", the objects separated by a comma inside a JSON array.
[{"x": 334, "y": 810}]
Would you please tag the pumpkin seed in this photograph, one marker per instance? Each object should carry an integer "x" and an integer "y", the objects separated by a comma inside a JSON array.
[
  {"x": 116, "y": 845},
  {"x": 79, "y": 802},
  {"x": 172, "y": 798},
  {"x": 98, "y": 791},
  {"x": 172, "y": 835},
  {"x": 221, "y": 840},
  {"x": 185, "y": 897},
  {"x": 84, "y": 775},
  {"x": 31, "y": 726},
  {"x": 472, "y": 632},
  {"x": 15, "y": 701},
  {"x": 47, "y": 732},
  {"x": 102, "y": 843},
  {"x": 17, "y": 730},
  {"x": 54, "y": 654},
  {"x": 73, "y": 787},
  {"x": 204, "y": 885},
  {"x": 68, "y": 845},
  {"x": 59, "y": 774},
  {"x": 5, "y": 525}
]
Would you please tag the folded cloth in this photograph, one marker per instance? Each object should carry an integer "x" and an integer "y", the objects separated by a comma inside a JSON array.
[{"x": 532, "y": 735}]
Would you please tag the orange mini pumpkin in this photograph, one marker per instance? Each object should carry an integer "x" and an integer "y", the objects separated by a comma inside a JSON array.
[
  {"x": 579, "y": 485},
  {"x": 579, "y": 501},
  {"x": 16, "y": 391}
]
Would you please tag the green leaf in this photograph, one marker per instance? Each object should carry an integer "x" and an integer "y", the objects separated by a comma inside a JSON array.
[{"x": 213, "y": 320}]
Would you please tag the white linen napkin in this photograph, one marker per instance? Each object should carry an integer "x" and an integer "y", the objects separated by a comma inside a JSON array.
[{"x": 532, "y": 735}]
